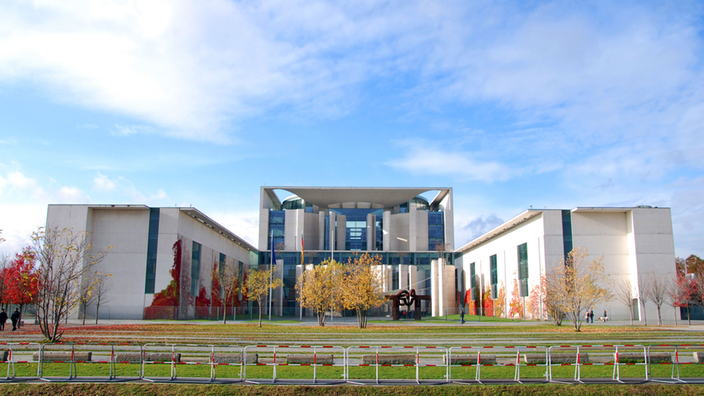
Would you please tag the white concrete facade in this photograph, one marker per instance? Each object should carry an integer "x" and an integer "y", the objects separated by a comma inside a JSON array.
[
  {"x": 634, "y": 242},
  {"x": 126, "y": 230}
]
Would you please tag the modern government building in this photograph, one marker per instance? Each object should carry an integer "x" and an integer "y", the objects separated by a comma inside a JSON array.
[{"x": 162, "y": 259}]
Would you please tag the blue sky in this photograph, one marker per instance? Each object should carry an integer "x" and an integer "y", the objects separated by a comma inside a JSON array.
[{"x": 550, "y": 104}]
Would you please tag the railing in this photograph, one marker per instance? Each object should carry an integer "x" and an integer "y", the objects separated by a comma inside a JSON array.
[{"x": 363, "y": 364}]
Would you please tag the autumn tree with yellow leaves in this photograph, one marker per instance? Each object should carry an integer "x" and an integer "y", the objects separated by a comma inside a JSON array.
[
  {"x": 577, "y": 284},
  {"x": 362, "y": 286},
  {"x": 320, "y": 289},
  {"x": 259, "y": 283}
]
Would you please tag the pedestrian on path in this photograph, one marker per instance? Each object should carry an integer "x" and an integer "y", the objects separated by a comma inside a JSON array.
[
  {"x": 462, "y": 316},
  {"x": 15, "y": 319},
  {"x": 591, "y": 315},
  {"x": 3, "y": 319}
]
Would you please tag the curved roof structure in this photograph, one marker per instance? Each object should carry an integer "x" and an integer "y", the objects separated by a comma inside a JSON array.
[{"x": 383, "y": 196}]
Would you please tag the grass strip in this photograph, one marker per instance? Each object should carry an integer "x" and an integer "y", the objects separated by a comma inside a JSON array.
[{"x": 482, "y": 390}]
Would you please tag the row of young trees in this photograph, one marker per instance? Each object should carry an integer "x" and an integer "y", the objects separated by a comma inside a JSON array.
[
  {"x": 331, "y": 287},
  {"x": 578, "y": 284},
  {"x": 56, "y": 274}
]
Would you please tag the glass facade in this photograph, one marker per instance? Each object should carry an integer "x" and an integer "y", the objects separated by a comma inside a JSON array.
[
  {"x": 152, "y": 245},
  {"x": 277, "y": 220},
  {"x": 523, "y": 269},
  {"x": 567, "y": 232},
  {"x": 356, "y": 228},
  {"x": 195, "y": 268},
  {"x": 494, "y": 269},
  {"x": 436, "y": 230}
]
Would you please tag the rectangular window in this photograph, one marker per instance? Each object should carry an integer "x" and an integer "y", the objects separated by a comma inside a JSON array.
[
  {"x": 567, "y": 232},
  {"x": 152, "y": 245},
  {"x": 195, "y": 268},
  {"x": 494, "y": 269},
  {"x": 277, "y": 226},
  {"x": 472, "y": 274},
  {"x": 523, "y": 269},
  {"x": 436, "y": 230}
]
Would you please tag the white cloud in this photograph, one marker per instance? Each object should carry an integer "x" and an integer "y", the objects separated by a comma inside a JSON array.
[
  {"x": 24, "y": 201},
  {"x": 243, "y": 224},
  {"x": 103, "y": 183},
  {"x": 423, "y": 158},
  {"x": 71, "y": 195}
]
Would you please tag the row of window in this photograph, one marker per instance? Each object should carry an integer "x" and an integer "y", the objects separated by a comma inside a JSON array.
[
  {"x": 356, "y": 229},
  {"x": 494, "y": 272}
]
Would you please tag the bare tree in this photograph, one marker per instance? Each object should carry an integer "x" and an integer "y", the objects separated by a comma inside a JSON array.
[
  {"x": 643, "y": 295},
  {"x": 624, "y": 294},
  {"x": 86, "y": 294},
  {"x": 441, "y": 248},
  {"x": 228, "y": 280},
  {"x": 64, "y": 257},
  {"x": 658, "y": 286},
  {"x": 103, "y": 285}
]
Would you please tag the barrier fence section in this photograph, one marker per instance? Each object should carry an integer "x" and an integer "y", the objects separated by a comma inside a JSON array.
[
  {"x": 687, "y": 355},
  {"x": 276, "y": 356},
  {"x": 677, "y": 363},
  {"x": 579, "y": 356},
  {"x": 192, "y": 361},
  {"x": 398, "y": 356},
  {"x": 18, "y": 353},
  {"x": 497, "y": 356},
  {"x": 58, "y": 362}
]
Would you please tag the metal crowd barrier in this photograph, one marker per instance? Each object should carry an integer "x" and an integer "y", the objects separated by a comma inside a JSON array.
[
  {"x": 580, "y": 356},
  {"x": 497, "y": 356},
  {"x": 396, "y": 356},
  {"x": 675, "y": 356},
  {"x": 681, "y": 363},
  {"x": 61, "y": 360},
  {"x": 17, "y": 354},
  {"x": 276, "y": 356}
]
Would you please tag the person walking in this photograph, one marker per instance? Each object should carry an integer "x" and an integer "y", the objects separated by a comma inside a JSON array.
[
  {"x": 591, "y": 314},
  {"x": 462, "y": 316},
  {"x": 15, "y": 319},
  {"x": 3, "y": 319}
]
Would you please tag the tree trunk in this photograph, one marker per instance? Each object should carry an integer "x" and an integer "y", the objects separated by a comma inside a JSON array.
[
  {"x": 689, "y": 315},
  {"x": 645, "y": 317},
  {"x": 630, "y": 311},
  {"x": 659, "y": 318},
  {"x": 224, "y": 312},
  {"x": 97, "y": 309},
  {"x": 675, "y": 314}
]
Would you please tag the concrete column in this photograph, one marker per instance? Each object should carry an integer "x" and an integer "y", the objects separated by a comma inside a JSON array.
[
  {"x": 264, "y": 235},
  {"x": 386, "y": 226},
  {"x": 412, "y": 229},
  {"x": 341, "y": 232},
  {"x": 371, "y": 232},
  {"x": 403, "y": 277},
  {"x": 413, "y": 278},
  {"x": 278, "y": 293},
  {"x": 434, "y": 288},
  {"x": 321, "y": 230}
]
